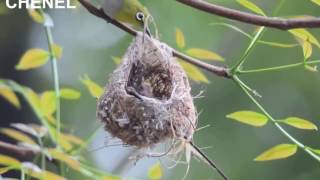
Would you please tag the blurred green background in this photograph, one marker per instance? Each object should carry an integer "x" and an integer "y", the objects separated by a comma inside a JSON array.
[{"x": 89, "y": 44}]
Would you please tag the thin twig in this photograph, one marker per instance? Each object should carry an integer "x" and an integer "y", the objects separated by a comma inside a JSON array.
[
  {"x": 273, "y": 22},
  {"x": 217, "y": 70}
]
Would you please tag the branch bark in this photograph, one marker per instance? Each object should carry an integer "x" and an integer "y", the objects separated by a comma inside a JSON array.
[
  {"x": 273, "y": 22},
  {"x": 217, "y": 70}
]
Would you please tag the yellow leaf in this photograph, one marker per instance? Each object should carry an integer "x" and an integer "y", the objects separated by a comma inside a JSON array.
[
  {"x": 57, "y": 51},
  {"x": 180, "y": 38},
  {"x": 110, "y": 177},
  {"x": 307, "y": 49},
  {"x": 70, "y": 94},
  {"x": 68, "y": 160},
  {"x": 51, "y": 119},
  {"x": 48, "y": 103},
  {"x": 45, "y": 175},
  {"x": 64, "y": 143},
  {"x": 316, "y": 2},
  {"x": 33, "y": 98},
  {"x": 193, "y": 72},
  {"x": 304, "y": 35},
  {"x": 72, "y": 139},
  {"x": 155, "y": 171},
  {"x": 94, "y": 89},
  {"x": 17, "y": 135},
  {"x": 251, "y": 6},
  {"x": 300, "y": 123},
  {"x": 10, "y": 96},
  {"x": 33, "y": 58},
  {"x": 5, "y": 169},
  {"x": 280, "y": 151},
  {"x": 249, "y": 117},
  {"x": 9, "y": 161},
  {"x": 204, "y": 54},
  {"x": 116, "y": 60},
  {"x": 36, "y": 16}
]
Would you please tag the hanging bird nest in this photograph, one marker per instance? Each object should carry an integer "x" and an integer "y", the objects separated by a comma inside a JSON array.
[{"x": 148, "y": 100}]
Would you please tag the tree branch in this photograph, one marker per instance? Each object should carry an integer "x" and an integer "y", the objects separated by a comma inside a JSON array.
[
  {"x": 273, "y": 22},
  {"x": 217, "y": 70}
]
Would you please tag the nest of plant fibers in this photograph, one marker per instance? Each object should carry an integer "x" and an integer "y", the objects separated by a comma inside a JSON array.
[{"x": 148, "y": 100}]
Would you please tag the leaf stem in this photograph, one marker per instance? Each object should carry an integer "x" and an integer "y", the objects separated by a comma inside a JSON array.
[
  {"x": 252, "y": 44},
  {"x": 277, "y": 68},
  {"x": 54, "y": 68},
  {"x": 283, "y": 131}
]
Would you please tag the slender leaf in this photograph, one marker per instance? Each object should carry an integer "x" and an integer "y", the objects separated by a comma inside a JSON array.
[
  {"x": 204, "y": 54},
  {"x": 316, "y": 2},
  {"x": 17, "y": 135},
  {"x": 48, "y": 103},
  {"x": 72, "y": 139},
  {"x": 180, "y": 40},
  {"x": 249, "y": 117},
  {"x": 94, "y": 89},
  {"x": 194, "y": 72},
  {"x": 9, "y": 95},
  {"x": 251, "y": 6},
  {"x": 280, "y": 151},
  {"x": 300, "y": 123},
  {"x": 9, "y": 161},
  {"x": 57, "y": 51},
  {"x": 304, "y": 35},
  {"x": 68, "y": 160},
  {"x": 33, "y": 58},
  {"x": 36, "y": 16},
  {"x": 155, "y": 172},
  {"x": 116, "y": 60},
  {"x": 70, "y": 94}
]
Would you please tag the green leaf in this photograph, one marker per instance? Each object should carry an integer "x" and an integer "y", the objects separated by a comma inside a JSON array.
[
  {"x": 280, "y": 151},
  {"x": 249, "y": 117},
  {"x": 204, "y": 54},
  {"x": 33, "y": 98},
  {"x": 116, "y": 60},
  {"x": 70, "y": 94},
  {"x": 3, "y": 9},
  {"x": 307, "y": 49},
  {"x": 47, "y": 175},
  {"x": 36, "y": 16},
  {"x": 9, "y": 161},
  {"x": 304, "y": 35},
  {"x": 57, "y": 51},
  {"x": 33, "y": 58},
  {"x": 316, "y": 2},
  {"x": 311, "y": 68},
  {"x": 17, "y": 135},
  {"x": 299, "y": 123},
  {"x": 155, "y": 172},
  {"x": 194, "y": 72},
  {"x": 48, "y": 103},
  {"x": 180, "y": 40},
  {"x": 9, "y": 95},
  {"x": 110, "y": 177},
  {"x": 94, "y": 89},
  {"x": 251, "y": 6}
]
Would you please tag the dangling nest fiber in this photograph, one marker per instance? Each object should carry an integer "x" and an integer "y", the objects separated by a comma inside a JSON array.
[{"x": 147, "y": 99}]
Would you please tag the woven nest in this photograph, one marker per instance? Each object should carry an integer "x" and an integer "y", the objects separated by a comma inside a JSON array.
[{"x": 147, "y": 99}]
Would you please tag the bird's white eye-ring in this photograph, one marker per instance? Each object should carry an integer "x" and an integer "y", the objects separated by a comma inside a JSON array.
[{"x": 140, "y": 16}]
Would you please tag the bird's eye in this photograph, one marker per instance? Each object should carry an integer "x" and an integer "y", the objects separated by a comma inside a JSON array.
[{"x": 140, "y": 16}]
